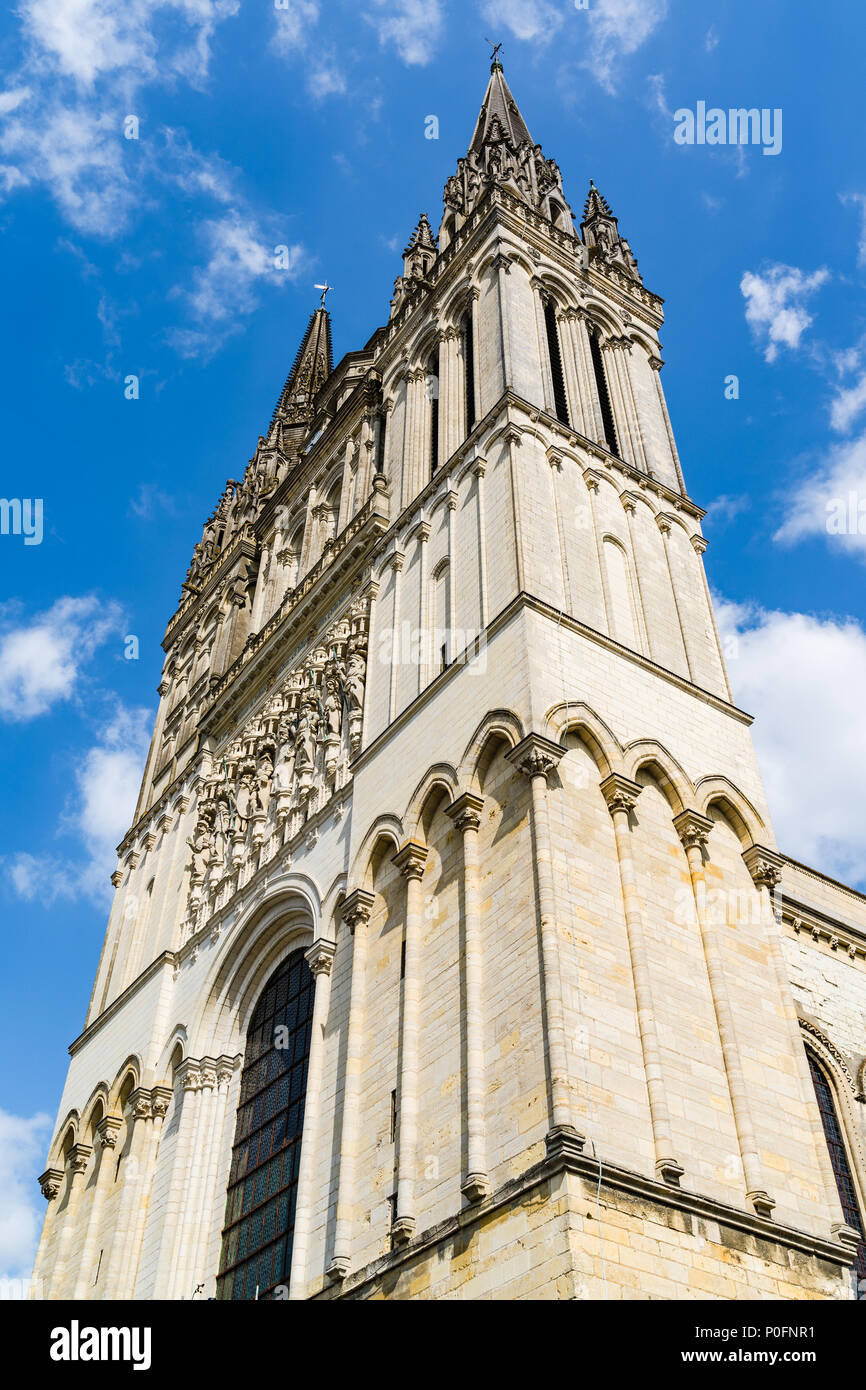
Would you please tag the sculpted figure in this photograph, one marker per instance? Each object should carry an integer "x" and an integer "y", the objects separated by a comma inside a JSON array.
[
  {"x": 333, "y": 706},
  {"x": 356, "y": 673}
]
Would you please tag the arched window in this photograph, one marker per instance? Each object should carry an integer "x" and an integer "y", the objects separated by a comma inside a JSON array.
[
  {"x": 622, "y": 617},
  {"x": 839, "y": 1160},
  {"x": 603, "y": 393},
  {"x": 469, "y": 369},
  {"x": 433, "y": 395},
  {"x": 260, "y": 1206},
  {"x": 555, "y": 358}
]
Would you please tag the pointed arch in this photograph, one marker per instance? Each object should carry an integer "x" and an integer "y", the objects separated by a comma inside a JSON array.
[
  {"x": 131, "y": 1069},
  {"x": 441, "y": 777},
  {"x": 577, "y": 718},
  {"x": 387, "y": 828},
  {"x": 748, "y": 824},
  {"x": 497, "y": 723},
  {"x": 648, "y": 756}
]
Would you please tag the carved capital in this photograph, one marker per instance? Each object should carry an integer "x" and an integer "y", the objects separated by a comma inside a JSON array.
[
  {"x": 536, "y": 756},
  {"x": 692, "y": 828},
  {"x": 51, "y": 1182},
  {"x": 320, "y": 957},
  {"x": 357, "y": 908},
  {"x": 765, "y": 866},
  {"x": 699, "y": 544},
  {"x": 479, "y": 467},
  {"x": 411, "y": 859},
  {"x": 466, "y": 811},
  {"x": 79, "y": 1157},
  {"x": 108, "y": 1131},
  {"x": 160, "y": 1101},
  {"x": 619, "y": 792},
  {"x": 139, "y": 1104}
]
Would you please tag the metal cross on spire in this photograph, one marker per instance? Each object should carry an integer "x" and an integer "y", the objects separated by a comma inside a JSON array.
[
  {"x": 324, "y": 288},
  {"x": 494, "y": 57}
]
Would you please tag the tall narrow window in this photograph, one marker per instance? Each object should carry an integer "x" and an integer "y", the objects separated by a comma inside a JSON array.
[
  {"x": 469, "y": 370},
  {"x": 433, "y": 393},
  {"x": 839, "y": 1160},
  {"x": 603, "y": 393},
  {"x": 380, "y": 443},
  {"x": 260, "y": 1206},
  {"x": 555, "y": 358}
]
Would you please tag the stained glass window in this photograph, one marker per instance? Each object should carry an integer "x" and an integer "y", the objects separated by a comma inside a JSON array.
[
  {"x": 839, "y": 1160},
  {"x": 260, "y": 1205}
]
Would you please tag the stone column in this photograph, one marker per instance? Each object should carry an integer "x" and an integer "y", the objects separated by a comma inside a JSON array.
[
  {"x": 106, "y": 1142},
  {"x": 617, "y": 401},
  {"x": 452, "y": 409},
  {"x": 50, "y": 1183},
  {"x": 79, "y": 1157},
  {"x": 356, "y": 911},
  {"x": 656, "y": 365},
  {"x": 629, "y": 507},
  {"x": 466, "y": 815},
  {"x": 593, "y": 423},
  {"x": 451, "y": 501},
  {"x": 693, "y": 830},
  {"x": 570, "y": 370},
  {"x": 622, "y": 352},
  {"x": 214, "y": 1140},
  {"x": 396, "y": 638},
  {"x": 123, "y": 1255},
  {"x": 410, "y": 861},
  {"x": 479, "y": 468},
  {"x": 621, "y": 794},
  {"x": 537, "y": 757},
  {"x": 320, "y": 958},
  {"x": 422, "y": 532},
  {"x": 187, "y": 1275},
  {"x": 187, "y": 1077},
  {"x": 765, "y": 867},
  {"x": 665, "y": 527}
]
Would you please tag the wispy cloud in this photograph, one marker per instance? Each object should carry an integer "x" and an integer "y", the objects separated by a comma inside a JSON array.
[
  {"x": 775, "y": 305},
  {"x": 22, "y": 1149},
  {"x": 830, "y": 502},
  {"x": 412, "y": 27},
  {"x": 805, "y": 673},
  {"x": 41, "y": 661}
]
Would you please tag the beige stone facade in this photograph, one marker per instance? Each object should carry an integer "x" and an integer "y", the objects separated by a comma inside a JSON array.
[{"x": 444, "y": 705}]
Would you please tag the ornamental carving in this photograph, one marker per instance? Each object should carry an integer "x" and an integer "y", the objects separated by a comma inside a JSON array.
[{"x": 285, "y": 764}]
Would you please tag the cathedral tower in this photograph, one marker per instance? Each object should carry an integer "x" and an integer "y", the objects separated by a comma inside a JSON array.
[{"x": 452, "y": 954}]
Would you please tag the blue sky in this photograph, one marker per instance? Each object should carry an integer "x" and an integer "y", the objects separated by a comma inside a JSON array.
[{"x": 304, "y": 127}]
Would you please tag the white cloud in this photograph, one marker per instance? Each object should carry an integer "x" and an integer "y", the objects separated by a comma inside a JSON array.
[
  {"x": 325, "y": 80},
  {"x": 618, "y": 28},
  {"x": 858, "y": 200},
  {"x": 239, "y": 260},
  {"x": 22, "y": 1149},
  {"x": 525, "y": 19},
  {"x": 803, "y": 677},
  {"x": 107, "y": 778},
  {"x": 414, "y": 27},
  {"x": 295, "y": 23},
  {"x": 41, "y": 661},
  {"x": 831, "y": 502},
  {"x": 775, "y": 309},
  {"x": 725, "y": 507},
  {"x": 11, "y": 100},
  {"x": 847, "y": 404},
  {"x": 711, "y": 41}
]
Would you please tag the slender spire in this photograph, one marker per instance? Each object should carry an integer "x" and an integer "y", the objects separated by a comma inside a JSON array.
[
  {"x": 311, "y": 368},
  {"x": 601, "y": 233},
  {"x": 499, "y": 117}
]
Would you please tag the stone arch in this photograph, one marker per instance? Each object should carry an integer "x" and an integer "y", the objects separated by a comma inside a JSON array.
[
  {"x": 600, "y": 316},
  {"x": 388, "y": 829},
  {"x": 720, "y": 791},
  {"x": 177, "y": 1038},
  {"x": 648, "y": 756},
  {"x": 457, "y": 303},
  {"x": 578, "y": 719},
  {"x": 556, "y": 287},
  {"x": 424, "y": 346},
  {"x": 120, "y": 1089},
  {"x": 289, "y": 916},
  {"x": 441, "y": 778},
  {"x": 95, "y": 1110},
  {"x": 67, "y": 1135},
  {"x": 844, "y": 1091},
  {"x": 498, "y": 723}
]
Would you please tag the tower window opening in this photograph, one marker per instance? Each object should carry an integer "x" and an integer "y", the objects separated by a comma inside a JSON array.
[
  {"x": 469, "y": 370},
  {"x": 380, "y": 444},
  {"x": 433, "y": 393},
  {"x": 841, "y": 1167},
  {"x": 262, "y": 1188},
  {"x": 393, "y": 1125},
  {"x": 603, "y": 393},
  {"x": 555, "y": 359}
]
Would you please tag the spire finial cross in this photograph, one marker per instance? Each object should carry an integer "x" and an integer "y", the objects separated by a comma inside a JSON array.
[
  {"x": 494, "y": 57},
  {"x": 324, "y": 288}
]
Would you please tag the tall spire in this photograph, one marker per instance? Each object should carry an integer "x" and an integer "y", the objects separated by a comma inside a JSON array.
[
  {"x": 311, "y": 368},
  {"x": 499, "y": 116},
  {"x": 502, "y": 153}
]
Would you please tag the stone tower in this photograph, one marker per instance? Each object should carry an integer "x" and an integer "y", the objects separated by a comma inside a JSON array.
[{"x": 452, "y": 954}]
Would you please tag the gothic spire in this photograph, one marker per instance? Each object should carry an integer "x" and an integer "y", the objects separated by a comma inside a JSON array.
[
  {"x": 421, "y": 251},
  {"x": 311, "y": 368},
  {"x": 601, "y": 234},
  {"x": 499, "y": 117}
]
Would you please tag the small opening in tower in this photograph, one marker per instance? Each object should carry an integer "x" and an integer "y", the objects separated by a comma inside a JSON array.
[
  {"x": 469, "y": 369},
  {"x": 555, "y": 356},
  {"x": 603, "y": 393},
  {"x": 433, "y": 393}
]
